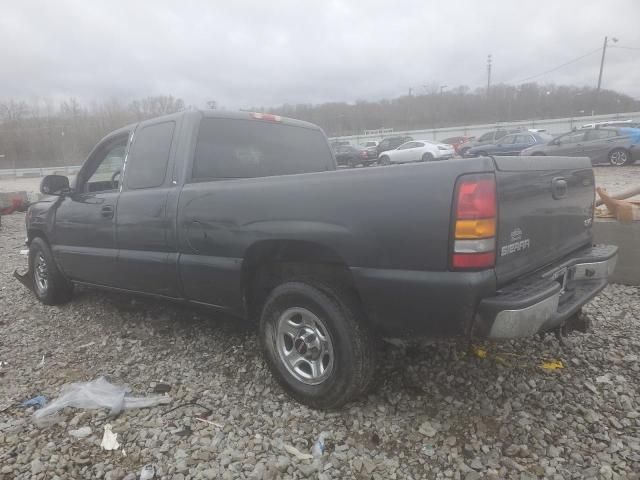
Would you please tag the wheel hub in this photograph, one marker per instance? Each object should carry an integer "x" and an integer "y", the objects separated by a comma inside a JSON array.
[{"x": 307, "y": 344}]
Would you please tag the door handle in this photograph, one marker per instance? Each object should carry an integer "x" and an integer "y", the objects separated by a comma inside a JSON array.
[{"x": 107, "y": 211}]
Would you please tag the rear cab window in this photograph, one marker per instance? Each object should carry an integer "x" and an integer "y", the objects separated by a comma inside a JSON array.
[{"x": 238, "y": 148}]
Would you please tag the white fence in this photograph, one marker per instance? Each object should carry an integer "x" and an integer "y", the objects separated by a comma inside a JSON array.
[
  {"x": 552, "y": 126},
  {"x": 38, "y": 172}
]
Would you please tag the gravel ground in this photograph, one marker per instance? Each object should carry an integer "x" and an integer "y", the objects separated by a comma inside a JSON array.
[{"x": 439, "y": 411}]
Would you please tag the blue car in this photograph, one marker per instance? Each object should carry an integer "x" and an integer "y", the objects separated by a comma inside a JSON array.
[{"x": 511, "y": 144}]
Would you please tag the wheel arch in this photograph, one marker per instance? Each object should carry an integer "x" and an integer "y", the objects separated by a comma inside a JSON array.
[{"x": 268, "y": 263}]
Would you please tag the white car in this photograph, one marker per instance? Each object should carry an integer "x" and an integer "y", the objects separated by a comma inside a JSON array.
[{"x": 417, "y": 151}]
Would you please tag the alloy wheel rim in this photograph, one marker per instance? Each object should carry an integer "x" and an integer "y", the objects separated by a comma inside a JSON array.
[
  {"x": 304, "y": 346},
  {"x": 41, "y": 273},
  {"x": 618, "y": 158}
]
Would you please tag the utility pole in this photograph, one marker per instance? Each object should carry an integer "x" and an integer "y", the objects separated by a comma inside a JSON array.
[
  {"x": 604, "y": 51},
  {"x": 488, "y": 73}
]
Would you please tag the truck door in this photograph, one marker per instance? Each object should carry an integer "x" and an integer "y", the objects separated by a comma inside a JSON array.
[
  {"x": 145, "y": 220},
  {"x": 84, "y": 234}
]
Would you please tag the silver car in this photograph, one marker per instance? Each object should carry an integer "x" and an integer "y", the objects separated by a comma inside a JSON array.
[{"x": 617, "y": 146}]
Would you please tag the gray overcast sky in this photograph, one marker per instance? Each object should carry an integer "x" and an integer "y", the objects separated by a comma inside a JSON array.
[{"x": 265, "y": 53}]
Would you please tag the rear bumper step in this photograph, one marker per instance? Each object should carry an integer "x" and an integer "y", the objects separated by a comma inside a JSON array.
[{"x": 545, "y": 300}]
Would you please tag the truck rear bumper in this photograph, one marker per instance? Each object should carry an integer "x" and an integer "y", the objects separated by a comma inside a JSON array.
[{"x": 545, "y": 300}]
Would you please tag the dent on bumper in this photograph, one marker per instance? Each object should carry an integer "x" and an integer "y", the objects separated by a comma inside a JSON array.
[{"x": 584, "y": 280}]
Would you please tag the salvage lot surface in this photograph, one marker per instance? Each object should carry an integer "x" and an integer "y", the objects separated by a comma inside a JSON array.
[{"x": 438, "y": 411}]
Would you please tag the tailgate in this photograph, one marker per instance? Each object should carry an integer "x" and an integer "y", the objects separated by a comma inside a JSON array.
[{"x": 545, "y": 211}]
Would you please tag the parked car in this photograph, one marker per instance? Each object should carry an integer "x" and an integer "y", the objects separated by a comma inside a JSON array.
[
  {"x": 487, "y": 138},
  {"x": 616, "y": 146},
  {"x": 390, "y": 143},
  {"x": 245, "y": 213},
  {"x": 457, "y": 142},
  {"x": 352, "y": 156},
  {"x": 511, "y": 144},
  {"x": 417, "y": 151},
  {"x": 337, "y": 143},
  {"x": 372, "y": 148}
]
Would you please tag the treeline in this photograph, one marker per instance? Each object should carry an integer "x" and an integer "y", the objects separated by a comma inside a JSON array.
[
  {"x": 460, "y": 106},
  {"x": 42, "y": 133}
]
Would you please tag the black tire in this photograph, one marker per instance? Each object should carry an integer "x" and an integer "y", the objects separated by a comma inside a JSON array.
[
  {"x": 350, "y": 368},
  {"x": 384, "y": 160},
  {"x": 619, "y": 157},
  {"x": 55, "y": 289},
  {"x": 463, "y": 151},
  {"x": 538, "y": 154},
  {"x": 427, "y": 157}
]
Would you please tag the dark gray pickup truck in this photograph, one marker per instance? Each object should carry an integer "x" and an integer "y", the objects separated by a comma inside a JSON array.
[{"x": 246, "y": 213}]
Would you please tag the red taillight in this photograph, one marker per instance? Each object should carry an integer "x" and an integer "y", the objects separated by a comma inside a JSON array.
[
  {"x": 269, "y": 117},
  {"x": 474, "y": 222},
  {"x": 474, "y": 260},
  {"x": 476, "y": 198}
]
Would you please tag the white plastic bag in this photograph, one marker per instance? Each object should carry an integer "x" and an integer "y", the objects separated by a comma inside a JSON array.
[{"x": 98, "y": 393}]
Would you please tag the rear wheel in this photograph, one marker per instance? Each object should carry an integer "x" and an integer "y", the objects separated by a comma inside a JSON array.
[
  {"x": 316, "y": 344},
  {"x": 427, "y": 157},
  {"x": 618, "y": 157},
  {"x": 49, "y": 284},
  {"x": 384, "y": 160}
]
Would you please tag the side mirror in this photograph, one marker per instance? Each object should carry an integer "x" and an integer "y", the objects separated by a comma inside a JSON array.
[{"x": 55, "y": 185}]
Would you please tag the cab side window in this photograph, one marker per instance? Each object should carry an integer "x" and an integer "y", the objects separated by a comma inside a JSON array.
[
  {"x": 107, "y": 168},
  {"x": 147, "y": 163}
]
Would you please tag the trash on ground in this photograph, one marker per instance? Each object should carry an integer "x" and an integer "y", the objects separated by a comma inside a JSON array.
[
  {"x": 86, "y": 345},
  {"x": 479, "y": 352},
  {"x": 96, "y": 394},
  {"x": 41, "y": 364},
  {"x": 24, "y": 251},
  {"x": 622, "y": 210},
  {"x": 204, "y": 420},
  {"x": 109, "y": 439},
  {"x": 552, "y": 365},
  {"x": 148, "y": 472},
  {"x": 162, "y": 388},
  {"x": 81, "y": 432},
  {"x": 297, "y": 453},
  {"x": 38, "y": 402},
  {"x": 318, "y": 447}
]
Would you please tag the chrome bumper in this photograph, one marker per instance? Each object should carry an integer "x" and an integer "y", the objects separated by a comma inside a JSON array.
[{"x": 546, "y": 301}]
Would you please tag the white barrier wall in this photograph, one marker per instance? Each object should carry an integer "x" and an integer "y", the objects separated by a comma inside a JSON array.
[{"x": 553, "y": 126}]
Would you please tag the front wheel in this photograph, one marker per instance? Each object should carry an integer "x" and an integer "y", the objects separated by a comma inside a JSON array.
[
  {"x": 316, "y": 344},
  {"x": 384, "y": 160},
  {"x": 49, "y": 284},
  {"x": 619, "y": 157}
]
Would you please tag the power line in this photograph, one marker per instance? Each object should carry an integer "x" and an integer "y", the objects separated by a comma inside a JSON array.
[
  {"x": 625, "y": 47},
  {"x": 560, "y": 66}
]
